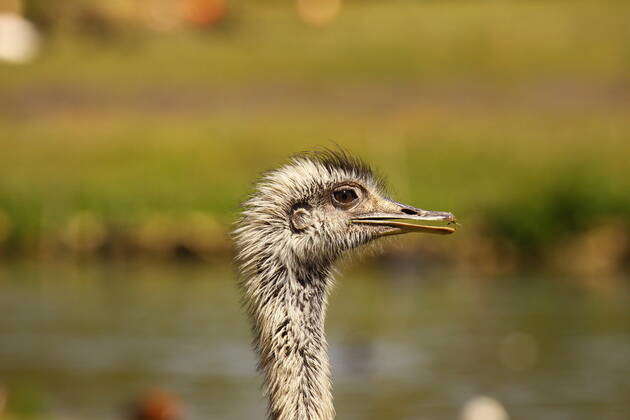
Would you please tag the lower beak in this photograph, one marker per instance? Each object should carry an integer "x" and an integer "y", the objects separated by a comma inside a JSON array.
[{"x": 404, "y": 220}]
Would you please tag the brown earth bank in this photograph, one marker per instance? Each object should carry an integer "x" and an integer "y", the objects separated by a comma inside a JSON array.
[{"x": 555, "y": 95}]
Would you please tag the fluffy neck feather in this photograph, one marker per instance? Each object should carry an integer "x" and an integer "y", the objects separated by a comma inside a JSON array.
[{"x": 287, "y": 306}]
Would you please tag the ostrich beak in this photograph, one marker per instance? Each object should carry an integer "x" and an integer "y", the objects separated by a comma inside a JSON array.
[{"x": 402, "y": 218}]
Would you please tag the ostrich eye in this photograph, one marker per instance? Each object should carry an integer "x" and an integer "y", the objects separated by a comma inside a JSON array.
[{"x": 345, "y": 197}]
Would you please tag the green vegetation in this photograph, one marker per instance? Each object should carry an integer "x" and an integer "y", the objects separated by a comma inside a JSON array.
[
  {"x": 513, "y": 115},
  {"x": 490, "y": 42}
]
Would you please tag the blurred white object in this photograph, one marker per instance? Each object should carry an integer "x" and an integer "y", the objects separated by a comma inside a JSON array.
[
  {"x": 19, "y": 40},
  {"x": 483, "y": 408}
]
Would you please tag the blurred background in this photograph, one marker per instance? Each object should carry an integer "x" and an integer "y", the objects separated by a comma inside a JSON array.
[{"x": 131, "y": 129}]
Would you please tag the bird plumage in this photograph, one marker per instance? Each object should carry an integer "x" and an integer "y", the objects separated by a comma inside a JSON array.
[{"x": 300, "y": 219}]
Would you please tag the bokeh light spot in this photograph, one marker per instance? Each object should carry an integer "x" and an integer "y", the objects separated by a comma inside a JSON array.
[
  {"x": 483, "y": 408},
  {"x": 19, "y": 40},
  {"x": 318, "y": 12}
]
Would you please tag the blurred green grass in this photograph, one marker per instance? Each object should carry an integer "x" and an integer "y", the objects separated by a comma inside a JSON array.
[
  {"x": 482, "y": 108},
  {"x": 495, "y": 42}
]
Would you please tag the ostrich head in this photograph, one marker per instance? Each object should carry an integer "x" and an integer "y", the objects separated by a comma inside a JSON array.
[
  {"x": 300, "y": 219},
  {"x": 321, "y": 204}
]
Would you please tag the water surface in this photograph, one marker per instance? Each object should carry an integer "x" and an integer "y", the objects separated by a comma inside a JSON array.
[{"x": 82, "y": 340}]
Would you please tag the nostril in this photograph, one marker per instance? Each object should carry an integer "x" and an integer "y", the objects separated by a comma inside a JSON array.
[{"x": 409, "y": 211}]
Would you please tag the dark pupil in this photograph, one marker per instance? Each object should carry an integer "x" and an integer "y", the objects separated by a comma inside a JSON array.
[{"x": 345, "y": 196}]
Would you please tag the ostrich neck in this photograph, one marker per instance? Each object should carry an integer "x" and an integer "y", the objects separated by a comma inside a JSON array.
[{"x": 288, "y": 314}]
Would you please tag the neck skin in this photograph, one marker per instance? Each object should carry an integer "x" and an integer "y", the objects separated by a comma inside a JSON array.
[{"x": 287, "y": 308}]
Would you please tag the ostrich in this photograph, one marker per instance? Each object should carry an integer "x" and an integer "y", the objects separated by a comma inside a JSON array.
[{"x": 300, "y": 219}]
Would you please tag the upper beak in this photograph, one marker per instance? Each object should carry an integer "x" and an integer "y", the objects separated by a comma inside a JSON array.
[{"x": 401, "y": 217}]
